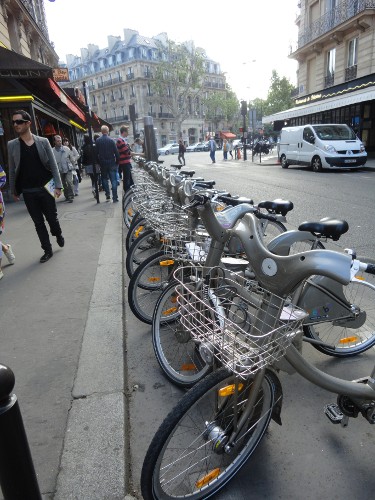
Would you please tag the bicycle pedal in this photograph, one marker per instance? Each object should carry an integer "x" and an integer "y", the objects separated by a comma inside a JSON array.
[{"x": 334, "y": 413}]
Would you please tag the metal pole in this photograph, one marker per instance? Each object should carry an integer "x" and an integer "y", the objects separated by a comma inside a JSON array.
[
  {"x": 150, "y": 139},
  {"x": 89, "y": 129},
  {"x": 244, "y": 138},
  {"x": 17, "y": 474}
]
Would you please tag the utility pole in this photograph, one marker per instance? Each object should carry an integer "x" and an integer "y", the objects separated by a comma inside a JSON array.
[{"x": 244, "y": 133}]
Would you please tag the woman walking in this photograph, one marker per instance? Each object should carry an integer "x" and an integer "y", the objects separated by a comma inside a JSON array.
[{"x": 4, "y": 249}]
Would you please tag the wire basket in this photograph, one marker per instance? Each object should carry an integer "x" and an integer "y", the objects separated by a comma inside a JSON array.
[
  {"x": 234, "y": 320},
  {"x": 190, "y": 245}
]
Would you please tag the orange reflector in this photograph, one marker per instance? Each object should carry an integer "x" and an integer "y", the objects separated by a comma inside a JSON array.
[
  {"x": 188, "y": 367},
  {"x": 207, "y": 478},
  {"x": 173, "y": 299},
  {"x": 153, "y": 279},
  {"x": 166, "y": 263},
  {"x": 130, "y": 212},
  {"x": 361, "y": 278},
  {"x": 139, "y": 230},
  {"x": 229, "y": 389},
  {"x": 348, "y": 340},
  {"x": 169, "y": 311}
]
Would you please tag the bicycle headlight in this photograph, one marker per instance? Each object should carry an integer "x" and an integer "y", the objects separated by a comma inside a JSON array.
[
  {"x": 172, "y": 179},
  {"x": 329, "y": 148},
  {"x": 188, "y": 188}
]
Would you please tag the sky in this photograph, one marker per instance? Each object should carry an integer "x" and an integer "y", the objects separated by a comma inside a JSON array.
[{"x": 248, "y": 38}]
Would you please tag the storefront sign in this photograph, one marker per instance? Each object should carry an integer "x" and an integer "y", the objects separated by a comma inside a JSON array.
[
  {"x": 25, "y": 73},
  {"x": 61, "y": 74}
]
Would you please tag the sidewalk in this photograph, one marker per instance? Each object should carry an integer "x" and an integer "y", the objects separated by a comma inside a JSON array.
[{"x": 62, "y": 335}]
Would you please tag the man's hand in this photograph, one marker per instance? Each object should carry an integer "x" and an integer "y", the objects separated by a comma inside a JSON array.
[{"x": 57, "y": 192}]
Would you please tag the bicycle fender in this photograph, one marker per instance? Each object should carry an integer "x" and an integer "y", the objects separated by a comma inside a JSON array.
[{"x": 276, "y": 411}]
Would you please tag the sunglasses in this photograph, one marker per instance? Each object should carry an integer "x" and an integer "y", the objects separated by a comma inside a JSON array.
[{"x": 19, "y": 122}]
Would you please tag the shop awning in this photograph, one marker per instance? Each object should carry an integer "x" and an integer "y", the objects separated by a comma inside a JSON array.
[
  {"x": 227, "y": 135},
  {"x": 355, "y": 97},
  {"x": 64, "y": 98},
  {"x": 14, "y": 65}
]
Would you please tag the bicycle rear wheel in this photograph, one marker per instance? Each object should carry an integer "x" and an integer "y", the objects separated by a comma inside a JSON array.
[
  {"x": 350, "y": 334},
  {"x": 137, "y": 227},
  {"x": 176, "y": 351},
  {"x": 186, "y": 458}
]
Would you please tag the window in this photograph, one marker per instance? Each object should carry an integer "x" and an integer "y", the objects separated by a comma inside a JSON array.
[
  {"x": 308, "y": 134},
  {"x": 331, "y": 61},
  {"x": 352, "y": 52}
]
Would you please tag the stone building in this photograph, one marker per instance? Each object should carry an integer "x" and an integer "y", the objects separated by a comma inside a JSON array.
[
  {"x": 336, "y": 70},
  {"x": 120, "y": 76}
]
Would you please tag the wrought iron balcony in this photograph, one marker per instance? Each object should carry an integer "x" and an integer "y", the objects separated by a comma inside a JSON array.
[
  {"x": 148, "y": 74},
  {"x": 344, "y": 11},
  {"x": 351, "y": 73},
  {"x": 329, "y": 80},
  {"x": 130, "y": 76}
]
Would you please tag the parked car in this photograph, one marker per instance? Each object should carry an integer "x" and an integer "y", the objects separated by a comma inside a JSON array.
[
  {"x": 321, "y": 146},
  {"x": 171, "y": 148},
  {"x": 194, "y": 147}
]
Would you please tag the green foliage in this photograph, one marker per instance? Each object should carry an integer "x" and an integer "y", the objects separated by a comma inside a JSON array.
[
  {"x": 222, "y": 106},
  {"x": 279, "y": 95},
  {"x": 179, "y": 78}
]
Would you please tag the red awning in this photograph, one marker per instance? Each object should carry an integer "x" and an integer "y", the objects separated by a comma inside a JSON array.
[
  {"x": 65, "y": 99},
  {"x": 227, "y": 135}
]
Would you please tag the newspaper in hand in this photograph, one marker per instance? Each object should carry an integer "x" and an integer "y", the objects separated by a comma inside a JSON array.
[{"x": 50, "y": 187}]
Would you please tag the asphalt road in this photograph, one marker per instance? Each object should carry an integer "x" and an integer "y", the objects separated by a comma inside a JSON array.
[{"x": 308, "y": 457}]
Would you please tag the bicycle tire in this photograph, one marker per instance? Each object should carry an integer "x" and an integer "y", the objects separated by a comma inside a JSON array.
[
  {"x": 187, "y": 423},
  {"x": 137, "y": 227},
  {"x": 128, "y": 211},
  {"x": 175, "y": 350},
  {"x": 147, "y": 284},
  {"x": 348, "y": 341},
  {"x": 141, "y": 249}
]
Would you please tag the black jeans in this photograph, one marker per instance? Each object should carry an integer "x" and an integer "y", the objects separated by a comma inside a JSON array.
[
  {"x": 41, "y": 204},
  {"x": 127, "y": 176}
]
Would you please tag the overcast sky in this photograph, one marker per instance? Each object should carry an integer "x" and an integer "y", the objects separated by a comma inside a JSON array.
[{"x": 247, "y": 38}]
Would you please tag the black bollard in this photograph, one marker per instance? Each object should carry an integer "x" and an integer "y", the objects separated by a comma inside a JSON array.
[
  {"x": 17, "y": 474},
  {"x": 150, "y": 139}
]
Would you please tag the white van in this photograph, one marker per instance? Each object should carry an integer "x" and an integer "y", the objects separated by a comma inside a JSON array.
[{"x": 321, "y": 146}]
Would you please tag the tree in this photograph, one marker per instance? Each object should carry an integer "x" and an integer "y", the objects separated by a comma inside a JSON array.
[
  {"x": 222, "y": 106},
  {"x": 179, "y": 79},
  {"x": 279, "y": 95}
]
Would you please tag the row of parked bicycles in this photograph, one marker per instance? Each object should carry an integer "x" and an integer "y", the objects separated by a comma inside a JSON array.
[{"x": 231, "y": 295}]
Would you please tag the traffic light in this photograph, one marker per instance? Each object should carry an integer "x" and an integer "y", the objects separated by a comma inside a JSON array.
[
  {"x": 241, "y": 129},
  {"x": 243, "y": 108}
]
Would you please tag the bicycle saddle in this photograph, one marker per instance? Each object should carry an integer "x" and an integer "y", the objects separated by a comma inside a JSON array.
[
  {"x": 188, "y": 173},
  {"x": 278, "y": 206},
  {"x": 177, "y": 166},
  {"x": 233, "y": 202},
  {"x": 327, "y": 227},
  {"x": 204, "y": 184}
]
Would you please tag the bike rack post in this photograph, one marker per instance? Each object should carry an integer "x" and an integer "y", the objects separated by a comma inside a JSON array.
[
  {"x": 17, "y": 474},
  {"x": 150, "y": 139}
]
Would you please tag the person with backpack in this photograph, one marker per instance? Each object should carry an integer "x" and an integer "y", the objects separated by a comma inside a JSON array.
[{"x": 212, "y": 145}]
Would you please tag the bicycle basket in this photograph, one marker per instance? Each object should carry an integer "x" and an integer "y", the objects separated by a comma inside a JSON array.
[{"x": 234, "y": 320}]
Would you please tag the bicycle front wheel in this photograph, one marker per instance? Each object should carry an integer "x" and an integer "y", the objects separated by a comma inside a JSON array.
[
  {"x": 148, "y": 283},
  {"x": 186, "y": 458},
  {"x": 176, "y": 351},
  {"x": 354, "y": 332},
  {"x": 141, "y": 249}
]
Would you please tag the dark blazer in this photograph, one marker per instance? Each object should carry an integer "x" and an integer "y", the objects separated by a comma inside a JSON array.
[
  {"x": 108, "y": 154},
  {"x": 45, "y": 154}
]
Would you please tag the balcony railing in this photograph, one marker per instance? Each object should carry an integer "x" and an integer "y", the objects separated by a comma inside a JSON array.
[
  {"x": 329, "y": 80},
  {"x": 165, "y": 115},
  {"x": 333, "y": 18},
  {"x": 130, "y": 76},
  {"x": 148, "y": 74},
  {"x": 120, "y": 118},
  {"x": 350, "y": 73}
]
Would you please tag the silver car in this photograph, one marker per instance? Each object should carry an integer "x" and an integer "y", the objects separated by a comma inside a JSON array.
[{"x": 171, "y": 148}]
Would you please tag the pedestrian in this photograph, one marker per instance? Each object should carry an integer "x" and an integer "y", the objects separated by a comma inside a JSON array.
[
  {"x": 88, "y": 160},
  {"x": 212, "y": 146},
  {"x": 125, "y": 161},
  {"x": 138, "y": 147},
  {"x": 230, "y": 146},
  {"x": 32, "y": 164},
  {"x": 181, "y": 152},
  {"x": 65, "y": 162},
  {"x": 76, "y": 173},
  {"x": 225, "y": 149},
  {"x": 108, "y": 157},
  {"x": 5, "y": 249}
]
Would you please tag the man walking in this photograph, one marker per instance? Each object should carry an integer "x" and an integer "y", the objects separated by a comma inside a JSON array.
[
  {"x": 108, "y": 157},
  {"x": 32, "y": 164},
  {"x": 65, "y": 161},
  {"x": 125, "y": 161},
  {"x": 212, "y": 146}
]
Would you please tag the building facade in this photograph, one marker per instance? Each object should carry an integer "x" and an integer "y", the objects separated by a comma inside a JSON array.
[
  {"x": 336, "y": 67},
  {"x": 120, "y": 76}
]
